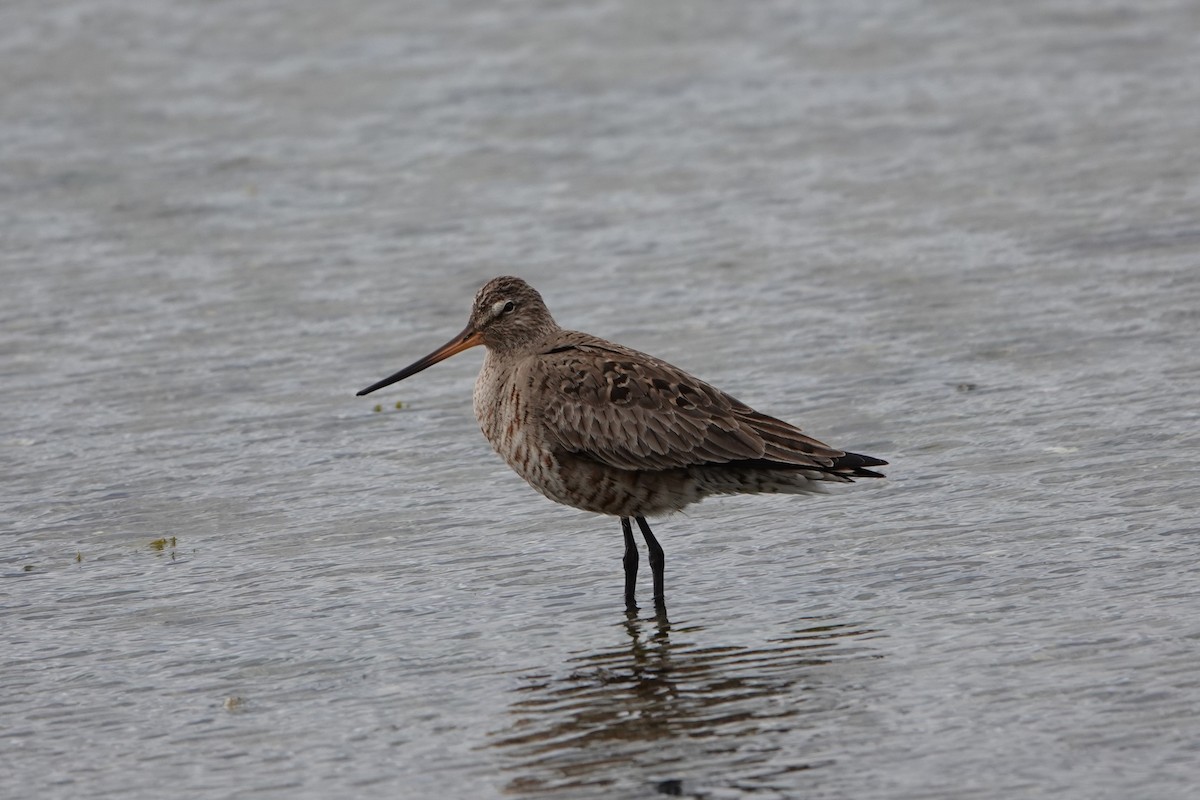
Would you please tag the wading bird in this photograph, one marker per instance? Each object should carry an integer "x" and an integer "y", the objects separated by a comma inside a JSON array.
[{"x": 601, "y": 427}]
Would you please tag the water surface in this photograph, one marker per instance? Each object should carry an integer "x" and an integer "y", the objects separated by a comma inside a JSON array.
[{"x": 964, "y": 239}]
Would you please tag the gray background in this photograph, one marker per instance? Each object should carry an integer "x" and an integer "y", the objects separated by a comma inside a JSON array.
[{"x": 963, "y": 237}]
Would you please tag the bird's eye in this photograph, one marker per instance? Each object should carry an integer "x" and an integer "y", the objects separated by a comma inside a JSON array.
[{"x": 509, "y": 307}]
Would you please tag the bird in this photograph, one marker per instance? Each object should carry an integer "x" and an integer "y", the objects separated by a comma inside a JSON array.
[{"x": 605, "y": 428}]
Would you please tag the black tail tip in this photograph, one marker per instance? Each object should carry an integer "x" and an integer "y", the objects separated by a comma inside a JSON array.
[{"x": 855, "y": 463}]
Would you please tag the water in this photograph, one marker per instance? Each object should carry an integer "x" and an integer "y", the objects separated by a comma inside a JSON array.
[{"x": 961, "y": 238}]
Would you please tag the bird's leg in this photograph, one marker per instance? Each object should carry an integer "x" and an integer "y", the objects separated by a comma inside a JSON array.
[
  {"x": 657, "y": 562},
  {"x": 631, "y": 565}
]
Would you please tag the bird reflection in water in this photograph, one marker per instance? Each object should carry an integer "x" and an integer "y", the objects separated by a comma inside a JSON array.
[{"x": 664, "y": 710}]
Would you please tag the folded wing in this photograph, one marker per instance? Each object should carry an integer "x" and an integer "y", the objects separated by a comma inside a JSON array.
[{"x": 632, "y": 411}]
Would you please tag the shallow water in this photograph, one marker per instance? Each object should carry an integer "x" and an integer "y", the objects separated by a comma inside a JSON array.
[{"x": 962, "y": 239}]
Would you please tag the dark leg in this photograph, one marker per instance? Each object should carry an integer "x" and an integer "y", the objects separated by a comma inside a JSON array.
[
  {"x": 657, "y": 562},
  {"x": 631, "y": 564}
]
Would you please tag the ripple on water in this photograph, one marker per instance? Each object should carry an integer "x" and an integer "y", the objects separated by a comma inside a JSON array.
[{"x": 687, "y": 713}]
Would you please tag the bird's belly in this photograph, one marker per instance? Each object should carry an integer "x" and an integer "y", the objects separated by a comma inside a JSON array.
[
  {"x": 601, "y": 489},
  {"x": 581, "y": 482},
  {"x": 590, "y": 486},
  {"x": 513, "y": 430}
]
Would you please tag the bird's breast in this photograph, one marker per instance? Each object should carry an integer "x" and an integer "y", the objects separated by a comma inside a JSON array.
[{"x": 506, "y": 408}]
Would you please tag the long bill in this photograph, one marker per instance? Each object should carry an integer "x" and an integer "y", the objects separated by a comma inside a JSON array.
[{"x": 468, "y": 338}]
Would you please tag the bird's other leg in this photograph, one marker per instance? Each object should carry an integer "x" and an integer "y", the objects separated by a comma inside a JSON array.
[
  {"x": 631, "y": 565},
  {"x": 657, "y": 563}
]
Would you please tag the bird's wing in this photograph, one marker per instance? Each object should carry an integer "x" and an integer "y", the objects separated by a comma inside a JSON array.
[{"x": 632, "y": 411}]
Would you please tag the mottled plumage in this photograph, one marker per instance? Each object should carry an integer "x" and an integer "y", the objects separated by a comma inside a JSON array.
[{"x": 604, "y": 428}]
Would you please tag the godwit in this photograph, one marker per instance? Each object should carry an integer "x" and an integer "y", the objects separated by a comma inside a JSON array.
[{"x": 604, "y": 428}]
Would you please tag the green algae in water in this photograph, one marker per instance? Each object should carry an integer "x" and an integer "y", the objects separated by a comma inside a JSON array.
[{"x": 162, "y": 544}]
